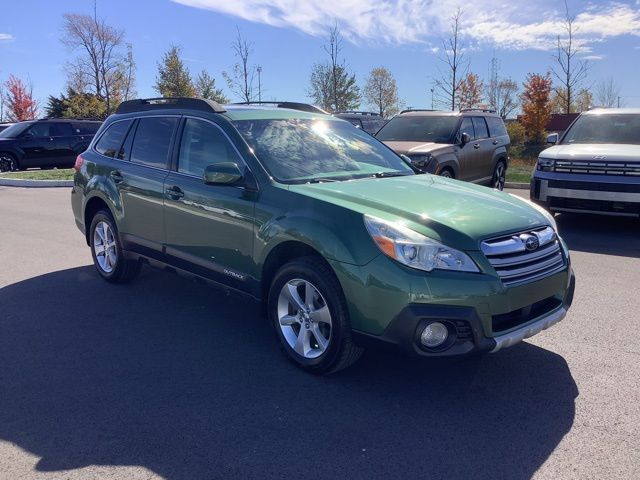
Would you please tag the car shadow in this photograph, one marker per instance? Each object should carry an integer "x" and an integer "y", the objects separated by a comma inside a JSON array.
[
  {"x": 188, "y": 382},
  {"x": 600, "y": 234}
]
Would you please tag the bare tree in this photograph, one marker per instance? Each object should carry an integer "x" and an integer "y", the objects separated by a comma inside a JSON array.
[
  {"x": 455, "y": 63},
  {"x": 241, "y": 77},
  {"x": 608, "y": 93},
  {"x": 506, "y": 97},
  {"x": 569, "y": 70},
  {"x": 101, "y": 64}
]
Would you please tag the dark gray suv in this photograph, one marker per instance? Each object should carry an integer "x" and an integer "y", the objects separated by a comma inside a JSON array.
[{"x": 467, "y": 145}]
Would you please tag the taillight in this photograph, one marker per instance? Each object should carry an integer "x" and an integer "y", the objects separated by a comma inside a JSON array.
[{"x": 78, "y": 165}]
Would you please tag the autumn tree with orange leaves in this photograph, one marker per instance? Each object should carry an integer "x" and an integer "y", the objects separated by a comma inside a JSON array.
[
  {"x": 470, "y": 92},
  {"x": 536, "y": 106},
  {"x": 19, "y": 100}
]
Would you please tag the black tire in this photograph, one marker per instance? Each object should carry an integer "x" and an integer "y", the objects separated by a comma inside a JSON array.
[
  {"x": 499, "y": 176},
  {"x": 124, "y": 269},
  {"x": 341, "y": 351},
  {"x": 8, "y": 162},
  {"x": 447, "y": 173}
]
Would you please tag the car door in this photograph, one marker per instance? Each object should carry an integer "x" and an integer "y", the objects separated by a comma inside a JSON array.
[
  {"x": 467, "y": 154},
  {"x": 38, "y": 145},
  {"x": 209, "y": 228},
  {"x": 484, "y": 150},
  {"x": 139, "y": 178}
]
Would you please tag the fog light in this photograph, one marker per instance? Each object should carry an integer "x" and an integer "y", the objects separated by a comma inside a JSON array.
[{"x": 434, "y": 335}]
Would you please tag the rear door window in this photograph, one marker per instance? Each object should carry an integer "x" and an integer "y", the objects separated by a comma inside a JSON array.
[
  {"x": 61, "y": 129},
  {"x": 496, "y": 127},
  {"x": 153, "y": 140},
  {"x": 86, "y": 128},
  {"x": 480, "y": 126},
  {"x": 111, "y": 140}
]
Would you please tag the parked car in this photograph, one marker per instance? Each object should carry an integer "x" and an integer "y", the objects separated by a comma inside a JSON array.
[
  {"x": 5, "y": 125},
  {"x": 469, "y": 145},
  {"x": 339, "y": 238},
  {"x": 594, "y": 167},
  {"x": 370, "y": 122},
  {"x": 45, "y": 143}
]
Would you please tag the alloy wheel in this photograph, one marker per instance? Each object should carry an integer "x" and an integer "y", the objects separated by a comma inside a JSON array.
[
  {"x": 304, "y": 318},
  {"x": 104, "y": 247},
  {"x": 6, "y": 163},
  {"x": 499, "y": 177}
]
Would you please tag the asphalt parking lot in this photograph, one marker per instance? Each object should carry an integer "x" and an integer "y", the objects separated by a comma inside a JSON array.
[{"x": 166, "y": 378}]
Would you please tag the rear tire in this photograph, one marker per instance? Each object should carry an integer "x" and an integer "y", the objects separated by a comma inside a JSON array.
[
  {"x": 309, "y": 313},
  {"x": 499, "y": 176},
  {"x": 106, "y": 250}
]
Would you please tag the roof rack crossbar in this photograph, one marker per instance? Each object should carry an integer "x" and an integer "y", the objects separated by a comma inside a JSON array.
[
  {"x": 303, "y": 107},
  {"x": 485, "y": 110},
  {"x": 162, "y": 103},
  {"x": 358, "y": 112}
]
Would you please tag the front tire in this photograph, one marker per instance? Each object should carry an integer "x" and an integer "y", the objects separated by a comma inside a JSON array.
[
  {"x": 446, "y": 173},
  {"x": 308, "y": 311},
  {"x": 8, "y": 162},
  {"x": 106, "y": 250}
]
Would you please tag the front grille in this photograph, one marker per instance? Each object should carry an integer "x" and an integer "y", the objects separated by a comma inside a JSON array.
[
  {"x": 598, "y": 167},
  {"x": 463, "y": 331},
  {"x": 516, "y": 264},
  {"x": 507, "y": 321}
]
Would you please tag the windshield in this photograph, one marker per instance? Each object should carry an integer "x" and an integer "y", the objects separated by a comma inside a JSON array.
[
  {"x": 606, "y": 128},
  {"x": 410, "y": 128},
  {"x": 15, "y": 130},
  {"x": 297, "y": 150}
]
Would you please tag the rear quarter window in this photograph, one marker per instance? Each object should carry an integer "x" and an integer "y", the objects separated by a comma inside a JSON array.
[
  {"x": 111, "y": 140},
  {"x": 496, "y": 127}
]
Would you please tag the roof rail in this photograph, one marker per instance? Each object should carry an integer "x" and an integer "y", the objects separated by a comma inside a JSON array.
[
  {"x": 485, "y": 110},
  {"x": 162, "y": 103},
  {"x": 358, "y": 112},
  {"x": 71, "y": 119},
  {"x": 303, "y": 107},
  {"x": 418, "y": 110}
]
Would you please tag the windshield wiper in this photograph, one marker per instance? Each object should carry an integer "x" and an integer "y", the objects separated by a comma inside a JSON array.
[
  {"x": 389, "y": 174},
  {"x": 322, "y": 180}
]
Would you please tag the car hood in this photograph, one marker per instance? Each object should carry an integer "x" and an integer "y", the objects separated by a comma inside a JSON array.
[
  {"x": 456, "y": 213},
  {"x": 412, "y": 148},
  {"x": 604, "y": 152}
]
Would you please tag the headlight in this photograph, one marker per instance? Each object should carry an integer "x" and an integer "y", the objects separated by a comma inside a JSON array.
[
  {"x": 415, "y": 250},
  {"x": 546, "y": 164},
  {"x": 421, "y": 161}
]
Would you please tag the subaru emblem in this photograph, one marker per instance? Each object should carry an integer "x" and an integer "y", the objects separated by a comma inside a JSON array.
[{"x": 531, "y": 242}]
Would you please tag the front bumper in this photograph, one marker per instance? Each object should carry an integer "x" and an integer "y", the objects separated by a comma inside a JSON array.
[
  {"x": 471, "y": 336},
  {"x": 570, "y": 192}
]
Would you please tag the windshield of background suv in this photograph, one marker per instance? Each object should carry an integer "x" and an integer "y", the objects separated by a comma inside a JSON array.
[
  {"x": 15, "y": 130},
  {"x": 606, "y": 128},
  {"x": 410, "y": 128},
  {"x": 298, "y": 150}
]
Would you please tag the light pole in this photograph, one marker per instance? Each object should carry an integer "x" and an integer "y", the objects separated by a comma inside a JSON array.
[
  {"x": 259, "y": 84},
  {"x": 432, "y": 98}
]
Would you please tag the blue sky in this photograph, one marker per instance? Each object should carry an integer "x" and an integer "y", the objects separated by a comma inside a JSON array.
[{"x": 287, "y": 37}]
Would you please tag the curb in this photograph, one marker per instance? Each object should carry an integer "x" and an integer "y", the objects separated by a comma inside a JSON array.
[
  {"x": 520, "y": 186},
  {"x": 20, "y": 182}
]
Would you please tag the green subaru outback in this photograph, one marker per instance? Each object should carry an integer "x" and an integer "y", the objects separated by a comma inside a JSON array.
[{"x": 343, "y": 242}]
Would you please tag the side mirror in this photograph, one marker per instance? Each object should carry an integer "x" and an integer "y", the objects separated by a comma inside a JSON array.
[
  {"x": 226, "y": 173},
  {"x": 465, "y": 138},
  {"x": 552, "y": 138}
]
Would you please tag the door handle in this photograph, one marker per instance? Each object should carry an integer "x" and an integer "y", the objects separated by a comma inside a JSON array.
[
  {"x": 174, "y": 192},
  {"x": 476, "y": 146},
  {"x": 116, "y": 176},
  {"x": 495, "y": 142}
]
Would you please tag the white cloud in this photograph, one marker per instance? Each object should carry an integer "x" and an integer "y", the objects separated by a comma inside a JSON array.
[
  {"x": 411, "y": 21},
  {"x": 593, "y": 57},
  {"x": 6, "y": 36}
]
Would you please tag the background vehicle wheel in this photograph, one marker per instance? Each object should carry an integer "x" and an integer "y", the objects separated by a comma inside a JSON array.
[
  {"x": 106, "y": 250},
  {"x": 7, "y": 162},
  {"x": 446, "y": 173},
  {"x": 499, "y": 176},
  {"x": 309, "y": 313}
]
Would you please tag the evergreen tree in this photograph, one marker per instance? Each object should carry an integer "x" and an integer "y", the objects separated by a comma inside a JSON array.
[
  {"x": 173, "y": 79},
  {"x": 205, "y": 87}
]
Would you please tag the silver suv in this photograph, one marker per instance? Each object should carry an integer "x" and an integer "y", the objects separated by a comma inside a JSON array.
[
  {"x": 594, "y": 167},
  {"x": 467, "y": 145}
]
